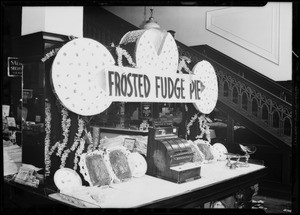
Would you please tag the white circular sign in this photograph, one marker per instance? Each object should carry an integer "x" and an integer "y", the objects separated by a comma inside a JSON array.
[
  {"x": 137, "y": 164},
  {"x": 66, "y": 178},
  {"x": 219, "y": 151},
  {"x": 209, "y": 95},
  {"x": 155, "y": 49},
  {"x": 78, "y": 76}
]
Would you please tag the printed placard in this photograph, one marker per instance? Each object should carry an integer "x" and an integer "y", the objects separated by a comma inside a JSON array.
[
  {"x": 139, "y": 85},
  {"x": 14, "y": 67},
  {"x": 11, "y": 122},
  {"x": 129, "y": 143},
  {"x": 5, "y": 110}
]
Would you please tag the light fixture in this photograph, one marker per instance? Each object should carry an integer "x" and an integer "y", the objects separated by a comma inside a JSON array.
[{"x": 151, "y": 23}]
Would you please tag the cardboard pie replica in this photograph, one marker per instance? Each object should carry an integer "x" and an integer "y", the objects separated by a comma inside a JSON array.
[
  {"x": 78, "y": 77},
  {"x": 153, "y": 49},
  {"x": 94, "y": 168},
  {"x": 219, "y": 151},
  {"x": 66, "y": 179},
  {"x": 209, "y": 95},
  {"x": 118, "y": 162}
]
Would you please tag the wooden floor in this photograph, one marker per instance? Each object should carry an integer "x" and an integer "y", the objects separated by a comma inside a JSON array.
[{"x": 272, "y": 205}]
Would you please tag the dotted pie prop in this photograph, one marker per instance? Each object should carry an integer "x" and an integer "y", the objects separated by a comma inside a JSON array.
[
  {"x": 78, "y": 76},
  {"x": 137, "y": 164},
  {"x": 154, "y": 49},
  {"x": 78, "y": 71},
  {"x": 209, "y": 95},
  {"x": 219, "y": 151},
  {"x": 67, "y": 179}
]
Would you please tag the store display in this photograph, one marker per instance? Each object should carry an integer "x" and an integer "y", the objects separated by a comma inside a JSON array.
[
  {"x": 94, "y": 168},
  {"x": 137, "y": 164},
  {"x": 198, "y": 155},
  {"x": 82, "y": 108},
  {"x": 205, "y": 148},
  {"x": 75, "y": 202},
  {"x": 170, "y": 157},
  {"x": 118, "y": 159},
  {"x": 154, "y": 49},
  {"x": 78, "y": 76},
  {"x": 66, "y": 179},
  {"x": 129, "y": 143},
  {"x": 236, "y": 160},
  {"x": 209, "y": 94},
  {"x": 219, "y": 151}
]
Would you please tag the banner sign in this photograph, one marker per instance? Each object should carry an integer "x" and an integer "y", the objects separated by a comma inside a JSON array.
[
  {"x": 138, "y": 85},
  {"x": 14, "y": 67},
  {"x": 86, "y": 79}
]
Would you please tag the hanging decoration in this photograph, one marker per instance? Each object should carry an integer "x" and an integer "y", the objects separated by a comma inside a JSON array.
[
  {"x": 122, "y": 52},
  {"x": 182, "y": 65},
  {"x": 203, "y": 127},
  {"x": 47, "y": 137},
  {"x": 75, "y": 144}
]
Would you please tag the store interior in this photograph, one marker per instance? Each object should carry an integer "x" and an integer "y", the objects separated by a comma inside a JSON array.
[{"x": 234, "y": 129}]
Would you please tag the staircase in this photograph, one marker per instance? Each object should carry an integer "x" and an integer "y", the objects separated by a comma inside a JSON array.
[
  {"x": 252, "y": 99},
  {"x": 255, "y": 101}
]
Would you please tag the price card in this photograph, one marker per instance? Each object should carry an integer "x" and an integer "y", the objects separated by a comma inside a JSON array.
[
  {"x": 11, "y": 122},
  {"x": 129, "y": 143},
  {"x": 27, "y": 176},
  {"x": 5, "y": 110}
]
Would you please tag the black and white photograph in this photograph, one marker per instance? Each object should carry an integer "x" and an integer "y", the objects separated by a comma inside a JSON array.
[{"x": 150, "y": 107}]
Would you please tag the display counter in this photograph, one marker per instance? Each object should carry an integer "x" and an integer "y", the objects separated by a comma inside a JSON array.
[{"x": 217, "y": 181}]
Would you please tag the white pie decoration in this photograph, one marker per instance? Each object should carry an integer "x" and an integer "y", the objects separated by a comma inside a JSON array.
[
  {"x": 66, "y": 179},
  {"x": 137, "y": 164},
  {"x": 154, "y": 49},
  {"x": 94, "y": 168},
  {"x": 117, "y": 158},
  {"x": 209, "y": 95},
  {"x": 78, "y": 76},
  {"x": 219, "y": 151}
]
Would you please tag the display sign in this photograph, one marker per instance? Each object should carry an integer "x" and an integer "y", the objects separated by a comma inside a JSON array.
[
  {"x": 5, "y": 110},
  {"x": 27, "y": 94},
  {"x": 11, "y": 122},
  {"x": 14, "y": 67},
  {"x": 146, "y": 109},
  {"x": 87, "y": 80},
  {"x": 129, "y": 143},
  {"x": 138, "y": 85}
]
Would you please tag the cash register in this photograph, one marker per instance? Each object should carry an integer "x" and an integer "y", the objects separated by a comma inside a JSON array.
[{"x": 168, "y": 156}]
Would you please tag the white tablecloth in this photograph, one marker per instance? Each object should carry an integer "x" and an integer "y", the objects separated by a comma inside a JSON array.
[{"x": 147, "y": 189}]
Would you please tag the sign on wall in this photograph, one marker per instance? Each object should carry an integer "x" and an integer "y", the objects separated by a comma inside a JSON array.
[{"x": 14, "y": 67}]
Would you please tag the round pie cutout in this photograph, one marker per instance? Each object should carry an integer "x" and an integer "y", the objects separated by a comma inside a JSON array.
[
  {"x": 66, "y": 178},
  {"x": 137, "y": 164},
  {"x": 78, "y": 76},
  {"x": 209, "y": 95},
  {"x": 219, "y": 151}
]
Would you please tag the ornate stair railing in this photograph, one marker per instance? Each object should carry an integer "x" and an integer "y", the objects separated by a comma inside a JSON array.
[
  {"x": 270, "y": 115},
  {"x": 248, "y": 73},
  {"x": 263, "y": 108}
]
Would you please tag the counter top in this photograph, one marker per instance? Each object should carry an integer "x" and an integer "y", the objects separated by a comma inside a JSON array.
[{"x": 147, "y": 191}]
